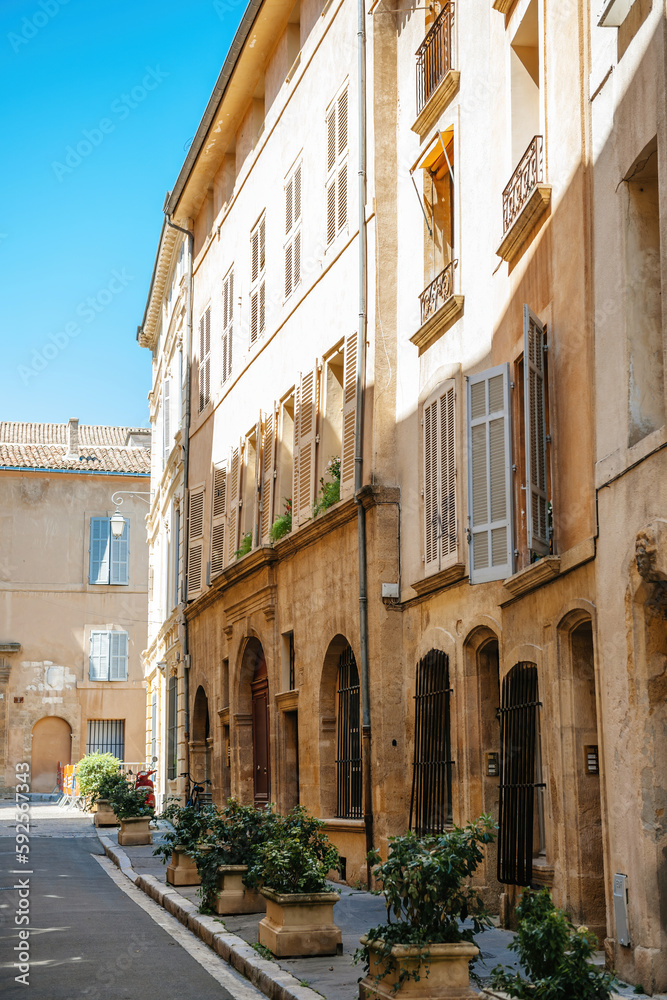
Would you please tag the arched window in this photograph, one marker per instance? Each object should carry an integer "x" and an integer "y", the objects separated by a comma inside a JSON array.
[
  {"x": 348, "y": 738},
  {"x": 431, "y": 800}
]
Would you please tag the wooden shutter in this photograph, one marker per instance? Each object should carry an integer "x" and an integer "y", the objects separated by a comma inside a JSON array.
[
  {"x": 195, "y": 541},
  {"x": 99, "y": 656},
  {"x": 349, "y": 416},
  {"x": 166, "y": 417},
  {"x": 295, "y": 456},
  {"x": 336, "y": 184},
  {"x": 218, "y": 523},
  {"x": 117, "y": 656},
  {"x": 257, "y": 284},
  {"x": 293, "y": 232},
  {"x": 100, "y": 534},
  {"x": 268, "y": 473},
  {"x": 489, "y": 475},
  {"x": 537, "y": 522},
  {"x": 227, "y": 325},
  {"x": 342, "y": 123},
  {"x": 440, "y": 524},
  {"x": 307, "y": 431},
  {"x": 204, "y": 359},
  {"x": 233, "y": 496},
  {"x": 119, "y": 570}
]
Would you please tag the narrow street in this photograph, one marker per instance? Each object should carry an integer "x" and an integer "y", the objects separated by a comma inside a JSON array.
[{"x": 92, "y": 933}]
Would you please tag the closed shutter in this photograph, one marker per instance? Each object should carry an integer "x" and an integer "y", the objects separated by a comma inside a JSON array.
[
  {"x": 99, "y": 550},
  {"x": 293, "y": 231},
  {"x": 489, "y": 475},
  {"x": 440, "y": 524},
  {"x": 307, "y": 431},
  {"x": 268, "y": 474},
  {"x": 195, "y": 542},
  {"x": 349, "y": 416},
  {"x": 337, "y": 167},
  {"x": 537, "y": 522},
  {"x": 99, "y": 656},
  {"x": 257, "y": 282},
  {"x": 120, "y": 556},
  {"x": 219, "y": 518},
  {"x": 227, "y": 325},
  {"x": 118, "y": 647},
  {"x": 166, "y": 417},
  {"x": 204, "y": 359},
  {"x": 233, "y": 496}
]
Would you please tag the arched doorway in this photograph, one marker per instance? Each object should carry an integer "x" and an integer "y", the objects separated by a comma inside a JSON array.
[
  {"x": 200, "y": 746},
  {"x": 261, "y": 755},
  {"x": 341, "y": 782},
  {"x": 51, "y": 745}
]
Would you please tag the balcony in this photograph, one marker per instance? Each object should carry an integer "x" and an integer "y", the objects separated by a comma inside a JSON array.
[
  {"x": 525, "y": 200},
  {"x": 440, "y": 307},
  {"x": 437, "y": 81}
]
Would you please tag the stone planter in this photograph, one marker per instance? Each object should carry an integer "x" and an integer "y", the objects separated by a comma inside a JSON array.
[
  {"x": 443, "y": 973},
  {"x": 233, "y": 896},
  {"x": 104, "y": 814},
  {"x": 182, "y": 869},
  {"x": 134, "y": 831},
  {"x": 300, "y": 924}
]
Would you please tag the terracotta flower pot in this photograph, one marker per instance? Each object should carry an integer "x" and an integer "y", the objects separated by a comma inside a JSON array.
[
  {"x": 134, "y": 831},
  {"x": 443, "y": 971},
  {"x": 182, "y": 869},
  {"x": 300, "y": 924},
  {"x": 104, "y": 815},
  {"x": 233, "y": 896}
]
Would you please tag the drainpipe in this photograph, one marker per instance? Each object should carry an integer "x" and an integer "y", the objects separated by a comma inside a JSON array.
[
  {"x": 359, "y": 443},
  {"x": 186, "y": 479}
]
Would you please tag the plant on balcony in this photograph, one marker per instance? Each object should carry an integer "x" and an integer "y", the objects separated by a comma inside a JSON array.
[
  {"x": 283, "y": 523},
  {"x": 329, "y": 493},
  {"x": 426, "y": 885},
  {"x": 246, "y": 545},
  {"x": 555, "y": 955},
  {"x": 92, "y": 768}
]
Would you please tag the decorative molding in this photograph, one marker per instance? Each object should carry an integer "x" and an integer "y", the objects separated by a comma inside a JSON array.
[
  {"x": 345, "y": 825},
  {"x": 288, "y": 701},
  {"x": 542, "y": 571},
  {"x": 229, "y": 631},
  {"x": 504, "y": 6},
  {"x": 223, "y": 715},
  {"x": 452, "y": 574},
  {"x": 242, "y": 720},
  {"x": 536, "y": 206},
  {"x": 329, "y": 723},
  {"x": 10, "y": 647},
  {"x": 437, "y": 103},
  {"x": 438, "y": 323}
]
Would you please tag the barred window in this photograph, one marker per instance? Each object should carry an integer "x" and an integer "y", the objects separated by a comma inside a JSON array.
[
  {"x": 431, "y": 800},
  {"x": 348, "y": 738},
  {"x": 106, "y": 736}
]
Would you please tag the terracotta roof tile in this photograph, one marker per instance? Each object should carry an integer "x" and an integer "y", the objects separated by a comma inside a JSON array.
[{"x": 44, "y": 446}]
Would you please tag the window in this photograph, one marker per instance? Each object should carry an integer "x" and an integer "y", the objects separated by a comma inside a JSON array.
[
  {"x": 167, "y": 435},
  {"x": 172, "y": 716},
  {"x": 250, "y": 485},
  {"x": 535, "y": 435},
  {"x": 431, "y": 799},
  {"x": 348, "y": 738},
  {"x": 269, "y": 421},
  {"x": 195, "y": 541},
  {"x": 257, "y": 280},
  {"x": 292, "y": 231},
  {"x": 153, "y": 724},
  {"x": 305, "y": 432},
  {"x": 106, "y": 736},
  {"x": 109, "y": 556},
  {"x": 108, "y": 656},
  {"x": 337, "y": 156},
  {"x": 284, "y": 457},
  {"x": 227, "y": 324},
  {"x": 439, "y": 201},
  {"x": 219, "y": 519},
  {"x": 233, "y": 499},
  {"x": 204, "y": 359},
  {"x": 440, "y": 523},
  {"x": 176, "y": 555}
]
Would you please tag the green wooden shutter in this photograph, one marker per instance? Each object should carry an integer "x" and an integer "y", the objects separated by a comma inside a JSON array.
[
  {"x": 99, "y": 550},
  {"x": 117, "y": 656},
  {"x": 120, "y": 556},
  {"x": 99, "y": 656},
  {"x": 537, "y": 526}
]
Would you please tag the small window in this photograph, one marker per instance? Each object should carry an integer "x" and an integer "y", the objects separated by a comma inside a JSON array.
[
  {"x": 108, "y": 656},
  {"x": 257, "y": 280},
  {"x": 109, "y": 556},
  {"x": 337, "y": 166},
  {"x": 106, "y": 736}
]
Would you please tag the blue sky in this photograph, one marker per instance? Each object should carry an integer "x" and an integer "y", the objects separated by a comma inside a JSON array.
[{"x": 100, "y": 101}]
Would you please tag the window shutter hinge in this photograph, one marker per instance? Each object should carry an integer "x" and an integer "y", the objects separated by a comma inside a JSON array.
[
  {"x": 275, "y": 473},
  {"x": 514, "y": 468},
  {"x": 545, "y": 347},
  {"x": 516, "y": 553},
  {"x": 317, "y": 439},
  {"x": 511, "y": 385},
  {"x": 423, "y": 558},
  {"x": 548, "y": 438}
]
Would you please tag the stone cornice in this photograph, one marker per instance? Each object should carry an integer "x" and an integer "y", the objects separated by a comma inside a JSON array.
[{"x": 514, "y": 240}]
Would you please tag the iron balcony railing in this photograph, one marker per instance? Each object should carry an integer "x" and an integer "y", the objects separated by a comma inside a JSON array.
[
  {"x": 436, "y": 294},
  {"x": 529, "y": 172},
  {"x": 434, "y": 56}
]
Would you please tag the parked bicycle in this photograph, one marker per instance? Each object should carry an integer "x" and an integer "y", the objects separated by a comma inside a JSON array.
[{"x": 194, "y": 791}]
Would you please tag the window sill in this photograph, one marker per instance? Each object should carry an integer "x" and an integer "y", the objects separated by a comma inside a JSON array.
[
  {"x": 504, "y": 6},
  {"x": 533, "y": 576},
  {"x": 438, "y": 324},
  {"x": 340, "y": 825},
  {"x": 437, "y": 103},
  {"x": 438, "y": 581},
  {"x": 288, "y": 701},
  {"x": 537, "y": 205}
]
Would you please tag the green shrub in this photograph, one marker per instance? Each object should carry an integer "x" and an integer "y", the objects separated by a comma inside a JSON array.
[
  {"x": 190, "y": 827},
  {"x": 555, "y": 955},
  {"x": 92, "y": 768},
  {"x": 329, "y": 491},
  {"x": 297, "y": 857},
  {"x": 246, "y": 545},
  {"x": 283, "y": 523},
  {"x": 107, "y": 785},
  {"x": 127, "y": 801}
]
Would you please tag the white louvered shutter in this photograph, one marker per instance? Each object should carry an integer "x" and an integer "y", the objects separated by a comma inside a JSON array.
[
  {"x": 195, "y": 542},
  {"x": 295, "y": 456},
  {"x": 233, "y": 496},
  {"x": 99, "y": 656},
  {"x": 118, "y": 656},
  {"x": 440, "y": 526},
  {"x": 534, "y": 408},
  {"x": 349, "y": 416},
  {"x": 268, "y": 474},
  {"x": 218, "y": 521},
  {"x": 293, "y": 231},
  {"x": 119, "y": 566},
  {"x": 227, "y": 325},
  {"x": 489, "y": 475},
  {"x": 336, "y": 187},
  {"x": 166, "y": 417},
  {"x": 308, "y": 397},
  {"x": 257, "y": 280},
  {"x": 100, "y": 546},
  {"x": 204, "y": 359}
]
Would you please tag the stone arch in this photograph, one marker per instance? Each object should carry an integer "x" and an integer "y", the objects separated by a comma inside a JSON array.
[
  {"x": 201, "y": 740},
  {"x": 252, "y": 723},
  {"x": 328, "y": 722},
  {"x": 51, "y": 745}
]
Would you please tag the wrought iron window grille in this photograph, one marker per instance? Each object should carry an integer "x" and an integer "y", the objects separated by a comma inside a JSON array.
[
  {"x": 528, "y": 174},
  {"x": 435, "y": 56}
]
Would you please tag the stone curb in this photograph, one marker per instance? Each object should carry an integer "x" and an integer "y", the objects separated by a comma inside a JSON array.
[{"x": 268, "y": 977}]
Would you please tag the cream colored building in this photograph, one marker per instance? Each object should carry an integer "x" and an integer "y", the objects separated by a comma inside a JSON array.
[{"x": 72, "y": 598}]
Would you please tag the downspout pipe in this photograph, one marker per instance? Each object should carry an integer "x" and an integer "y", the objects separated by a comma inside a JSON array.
[
  {"x": 359, "y": 440},
  {"x": 186, "y": 480}
]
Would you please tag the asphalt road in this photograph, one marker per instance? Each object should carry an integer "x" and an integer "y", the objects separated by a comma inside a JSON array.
[{"x": 91, "y": 932}]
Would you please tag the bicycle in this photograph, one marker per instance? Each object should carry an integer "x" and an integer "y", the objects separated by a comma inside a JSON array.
[{"x": 194, "y": 793}]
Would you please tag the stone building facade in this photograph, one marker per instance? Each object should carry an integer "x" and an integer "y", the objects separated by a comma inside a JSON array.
[{"x": 73, "y": 599}]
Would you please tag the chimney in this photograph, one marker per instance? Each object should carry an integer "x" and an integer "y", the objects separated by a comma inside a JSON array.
[{"x": 73, "y": 438}]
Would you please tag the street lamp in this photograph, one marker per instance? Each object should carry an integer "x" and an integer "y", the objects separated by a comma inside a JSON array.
[{"x": 117, "y": 521}]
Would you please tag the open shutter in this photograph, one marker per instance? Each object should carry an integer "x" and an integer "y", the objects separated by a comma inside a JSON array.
[
  {"x": 204, "y": 359},
  {"x": 100, "y": 534},
  {"x": 447, "y": 472},
  {"x": 349, "y": 416},
  {"x": 295, "y": 455},
  {"x": 431, "y": 506},
  {"x": 99, "y": 656},
  {"x": 268, "y": 474},
  {"x": 227, "y": 325},
  {"x": 166, "y": 417},
  {"x": 195, "y": 542},
  {"x": 537, "y": 524},
  {"x": 117, "y": 656},
  {"x": 219, "y": 518},
  {"x": 120, "y": 556},
  {"x": 233, "y": 494},
  {"x": 440, "y": 527},
  {"x": 307, "y": 431},
  {"x": 489, "y": 476}
]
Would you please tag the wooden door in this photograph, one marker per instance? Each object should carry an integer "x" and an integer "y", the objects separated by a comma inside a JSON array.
[{"x": 260, "y": 735}]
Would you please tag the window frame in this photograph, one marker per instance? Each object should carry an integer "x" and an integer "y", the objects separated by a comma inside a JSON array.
[
  {"x": 106, "y": 652},
  {"x": 111, "y": 554},
  {"x": 293, "y": 242},
  {"x": 337, "y": 166},
  {"x": 257, "y": 292}
]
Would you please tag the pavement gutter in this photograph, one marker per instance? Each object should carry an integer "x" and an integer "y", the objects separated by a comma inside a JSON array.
[{"x": 274, "y": 982}]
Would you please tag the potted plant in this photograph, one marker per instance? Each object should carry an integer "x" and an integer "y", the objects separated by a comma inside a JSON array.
[
  {"x": 428, "y": 895},
  {"x": 329, "y": 493},
  {"x": 101, "y": 798},
  {"x": 179, "y": 844},
  {"x": 129, "y": 805},
  {"x": 293, "y": 867},
  {"x": 90, "y": 771},
  {"x": 555, "y": 955}
]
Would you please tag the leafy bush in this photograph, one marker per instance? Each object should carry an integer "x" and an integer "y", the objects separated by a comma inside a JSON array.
[
  {"x": 92, "y": 768},
  {"x": 107, "y": 785},
  {"x": 283, "y": 523},
  {"x": 128, "y": 802},
  {"x": 555, "y": 955},
  {"x": 428, "y": 893},
  {"x": 329, "y": 491},
  {"x": 246, "y": 545},
  {"x": 297, "y": 857},
  {"x": 190, "y": 826}
]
